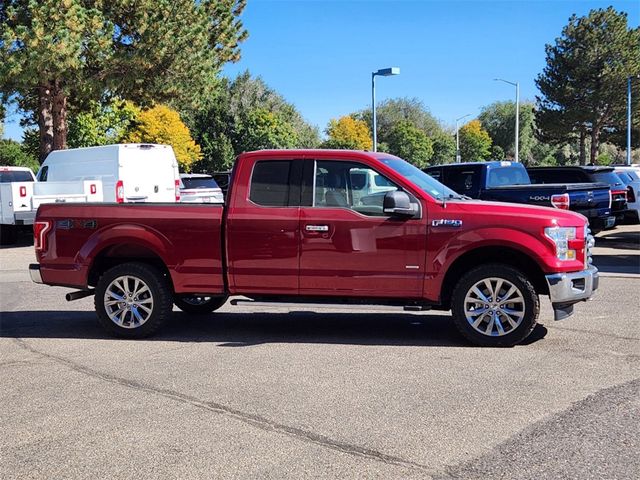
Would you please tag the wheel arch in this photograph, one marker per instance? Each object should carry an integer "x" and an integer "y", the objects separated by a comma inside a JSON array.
[
  {"x": 496, "y": 255},
  {"x": 119, "y": 253}
]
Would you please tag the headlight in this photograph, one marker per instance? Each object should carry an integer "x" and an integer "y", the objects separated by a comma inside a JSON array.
[{"x": 561, "y": 237}]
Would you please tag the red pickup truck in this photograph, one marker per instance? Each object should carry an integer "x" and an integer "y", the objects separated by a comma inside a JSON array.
[{"x": 321, "y": 226}]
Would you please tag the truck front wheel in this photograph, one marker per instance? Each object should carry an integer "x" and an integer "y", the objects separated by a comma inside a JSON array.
[
  {"x": 133, "y": 300},
  {"x": 198, "y": 304},
  {"x": 495, "y": 305}
]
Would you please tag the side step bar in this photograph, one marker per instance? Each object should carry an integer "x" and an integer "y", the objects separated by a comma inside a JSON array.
[{"x": 341, "y": 306}]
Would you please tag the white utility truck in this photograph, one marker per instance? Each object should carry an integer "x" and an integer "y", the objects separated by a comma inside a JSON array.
[{"x": 16, "y": 189}]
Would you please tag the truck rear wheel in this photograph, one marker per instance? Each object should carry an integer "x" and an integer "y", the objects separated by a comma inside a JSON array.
[
  {"x": 495, "y": 305},
  {"x": 133, "y": 300},
  {"x": 198, "y": 304}
]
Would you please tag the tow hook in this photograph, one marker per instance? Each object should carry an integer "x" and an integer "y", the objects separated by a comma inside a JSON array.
[{"x": 79, "y": 294}]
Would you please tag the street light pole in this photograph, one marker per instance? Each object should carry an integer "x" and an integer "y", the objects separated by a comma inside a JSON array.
[
  {"x": 517, "y": 85},
  {"x": 384, "y": 72},
  {"x": 458, "y": 138},
  {"x": 629, "y": 78}
]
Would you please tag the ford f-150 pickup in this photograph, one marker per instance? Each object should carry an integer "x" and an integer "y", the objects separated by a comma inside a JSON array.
[{"x": 301, "y": 226}]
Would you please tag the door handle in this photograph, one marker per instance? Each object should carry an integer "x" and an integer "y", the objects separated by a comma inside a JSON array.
[{"x": 317, "y": 228}]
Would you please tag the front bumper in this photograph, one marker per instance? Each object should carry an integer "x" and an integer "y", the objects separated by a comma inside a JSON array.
[
  {"x": 34, "y": 273},
  {"x": 566, "y": 289}
]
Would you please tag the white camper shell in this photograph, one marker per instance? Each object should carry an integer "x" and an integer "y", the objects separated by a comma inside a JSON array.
[{"x": 112, "y": 173}]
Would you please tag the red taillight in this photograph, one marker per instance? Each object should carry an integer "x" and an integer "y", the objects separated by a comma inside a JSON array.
[
  {"x": 23, "y": 191},
  {"x": 93, "y": 189},
  {"x": 622, "y": 193},
  {"x": 561, "y": 201},
  {"x": 177, "y": 190},
  {"x": 120, "y": 192},
  {"x": 40, "y": 230}
]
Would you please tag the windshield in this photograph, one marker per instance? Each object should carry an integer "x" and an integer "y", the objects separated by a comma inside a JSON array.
[
  {"x": 416, "y": 176},
  {"x": 199, "y": 182}
]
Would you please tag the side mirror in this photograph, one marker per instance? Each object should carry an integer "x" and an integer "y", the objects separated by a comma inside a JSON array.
[{"x": 398, "y": 204}]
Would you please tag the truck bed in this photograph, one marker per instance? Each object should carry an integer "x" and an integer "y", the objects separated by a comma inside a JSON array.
[{"x": 187, "y": 239}]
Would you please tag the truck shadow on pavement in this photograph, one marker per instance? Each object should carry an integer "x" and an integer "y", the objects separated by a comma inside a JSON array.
[
  {"x": 250, "y": 329},
  {"x": 625, "y": 240}
]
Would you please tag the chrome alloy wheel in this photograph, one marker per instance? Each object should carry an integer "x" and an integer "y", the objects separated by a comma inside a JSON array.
[
  {"x": 494, "y": 307},
  {"x": 128, "y": 302}
]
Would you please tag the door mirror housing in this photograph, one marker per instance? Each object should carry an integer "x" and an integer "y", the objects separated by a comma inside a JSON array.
[{"x": 398, "y": 204}]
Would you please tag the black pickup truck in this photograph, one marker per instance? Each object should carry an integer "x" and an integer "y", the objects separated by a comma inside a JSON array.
[
  {"x": 578, "y": 174},
  {"x": 509, "y": 182}
]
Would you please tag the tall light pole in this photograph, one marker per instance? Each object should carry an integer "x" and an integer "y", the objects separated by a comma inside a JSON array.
[
  {"x": 458, "y": 138},
  {"x": 517, "y": 85},
  {"x": 384, "y": 72},
  {"x": 629, "y": 78}
]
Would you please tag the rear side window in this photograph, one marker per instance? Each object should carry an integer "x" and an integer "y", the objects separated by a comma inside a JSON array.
[
  {"x": 270, "y": 183},
  {"x": 15, "y": 176}
]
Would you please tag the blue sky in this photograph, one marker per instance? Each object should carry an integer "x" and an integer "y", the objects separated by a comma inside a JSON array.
[{"x": 320, "y": 54}]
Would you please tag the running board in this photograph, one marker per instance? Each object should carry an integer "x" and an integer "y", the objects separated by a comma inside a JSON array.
[{"x": 337, "y": 305}]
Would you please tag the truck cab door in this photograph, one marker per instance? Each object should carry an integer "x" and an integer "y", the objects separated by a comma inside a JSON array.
[
  {"x": 349, "y": 246},
  {"x": 263, "y": 237}
]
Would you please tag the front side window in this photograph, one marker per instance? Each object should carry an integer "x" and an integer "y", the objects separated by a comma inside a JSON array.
[
  {"x": 43, "y": 173},
  {"x": 270, "y": 183},
  {"x": 350, "y": 185}
]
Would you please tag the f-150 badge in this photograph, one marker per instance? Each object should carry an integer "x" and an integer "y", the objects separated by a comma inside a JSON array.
[{"x": 446, "y": 223}]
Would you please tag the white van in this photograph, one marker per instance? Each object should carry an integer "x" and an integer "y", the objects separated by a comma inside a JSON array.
[{"x": 124, "y": 173}]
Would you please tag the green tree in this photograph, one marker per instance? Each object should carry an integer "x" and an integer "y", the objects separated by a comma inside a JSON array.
[
  {"x": 583, "y": 82},
  {"x": 348, "y": 133},
  {"x": 102, "y": 123},
  {"x": 57, "y": 55},
  {"x": 263, "y": 129},
  {"x": 475, "y": 142},
  {"x": 12, "y": 154},
  {"x": 498, "y": 119},
  {"x": 217, "y": 125},
  {"x": 410, "y": 143},
  {"x": 444, "y": 149},
  {"x": 163, "y": 125},
  {"x": 393, "y": 111}
]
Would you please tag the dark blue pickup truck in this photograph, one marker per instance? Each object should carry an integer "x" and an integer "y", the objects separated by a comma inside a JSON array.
[{"x": 509, "y": 182}]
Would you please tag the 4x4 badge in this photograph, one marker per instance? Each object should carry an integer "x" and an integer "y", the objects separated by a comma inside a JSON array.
[{"x": 446, "y": 223}]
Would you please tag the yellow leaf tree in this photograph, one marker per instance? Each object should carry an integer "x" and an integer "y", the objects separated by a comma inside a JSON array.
[
  {"x": 163, "y": 125},
  {"x": 348, "y": 133},
  {"x": 475, "y": 142}
]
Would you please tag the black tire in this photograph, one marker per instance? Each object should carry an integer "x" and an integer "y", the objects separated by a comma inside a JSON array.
[
  {"x": 519, "y": 316},
  {"x": 8, "y": 234},
  {"x": 158, "y": 290},
  {"x": 198, "y": 304}
]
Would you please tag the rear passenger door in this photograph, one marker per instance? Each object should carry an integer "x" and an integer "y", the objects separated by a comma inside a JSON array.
[{"x": 263, "y": 238}]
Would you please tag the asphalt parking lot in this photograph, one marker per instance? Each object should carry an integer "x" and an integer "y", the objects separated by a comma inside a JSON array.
[{"x": 272, "y": 393}]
